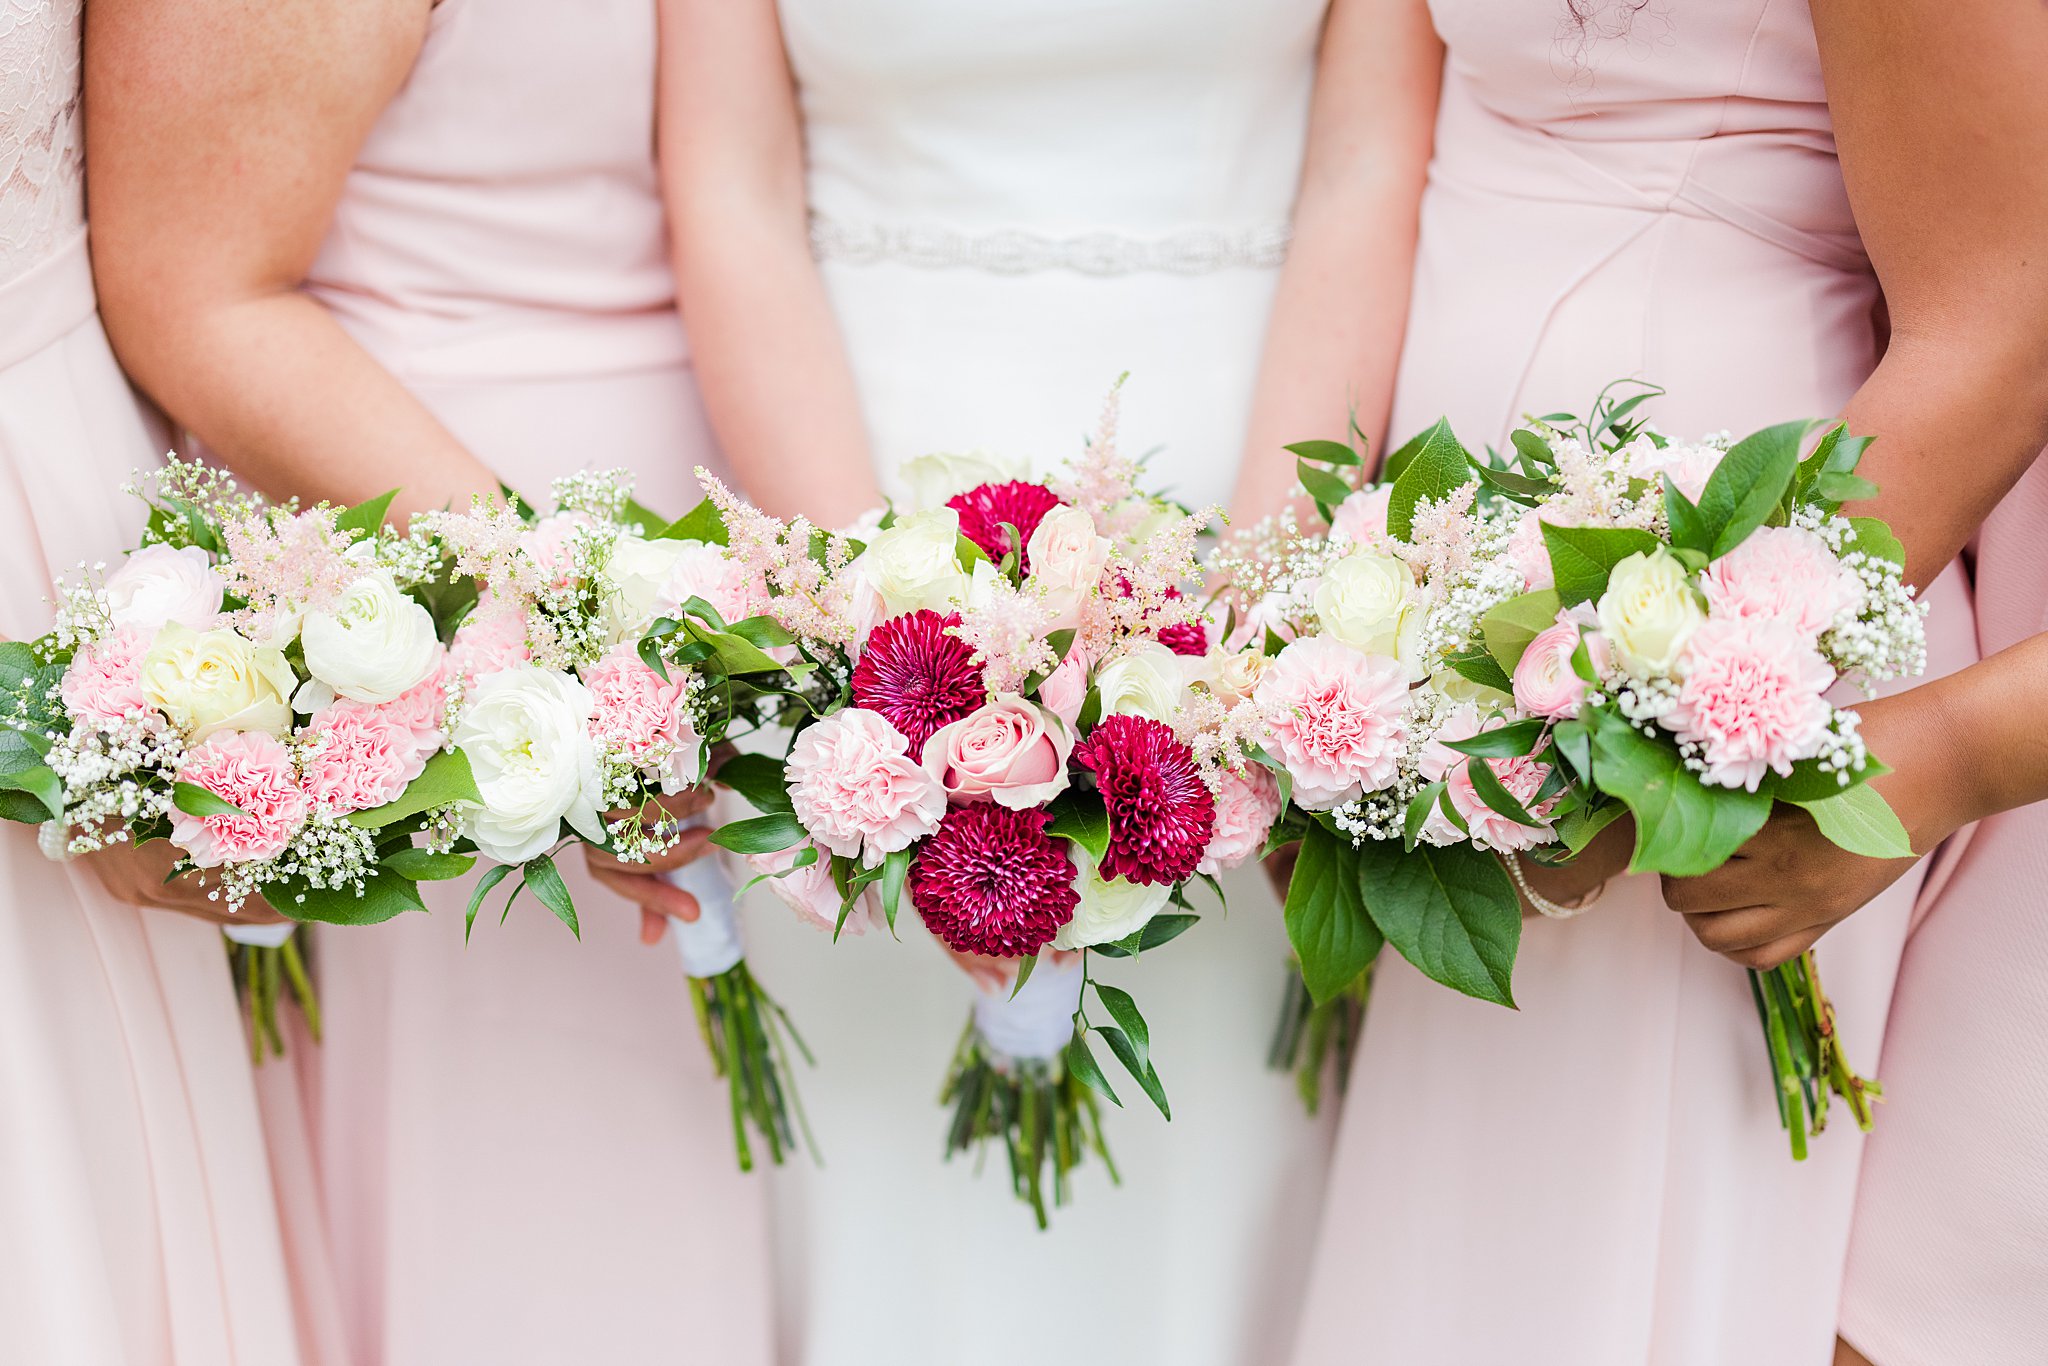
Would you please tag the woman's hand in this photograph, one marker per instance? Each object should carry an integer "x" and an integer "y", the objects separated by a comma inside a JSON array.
[
  {"x": 1576, "y": 883},
  {"x": 140, "y": 875},
  {"x": 641, "y": 883}
]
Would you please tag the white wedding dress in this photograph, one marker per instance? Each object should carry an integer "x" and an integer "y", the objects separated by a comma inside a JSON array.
[{"x": 1015, "y": 202}]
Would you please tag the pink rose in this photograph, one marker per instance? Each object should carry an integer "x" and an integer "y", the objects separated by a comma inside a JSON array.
[
  {"x": 1546, "y": 685},
  {"x": 809, "y": 891},
  {"x": 1247, "y": 804},
  {"x": 1782, "y": 573},
  {"x": 1337, "y": 719},
  {"x": 1753, "y": 700},
  {"x": 1005, "y": 752},
  {"x": 1362, "y": 518},
  {"x": 646, "y": 720},
  {"x": 492, "y": 640},
  {"x": 103, "y": 683},
  {"x": 856, "y": 789},
  {"x": 359, "y": 757},
  {"x": 1529, "y": 553},
  {"x": 1522, "y": 777},
  {"x": 159, "y": 584},
  {"x": 250, "y": 770},
  {"x": 1065, "y": 689}
]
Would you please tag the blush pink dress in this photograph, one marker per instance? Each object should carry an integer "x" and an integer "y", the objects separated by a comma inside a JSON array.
[
  {"x": 523, "y": 1155},
  {"x": 1949, "y": 1261},
  {"x": 1599, "y": 1178},
  {"x": 137, "y": 1224}
]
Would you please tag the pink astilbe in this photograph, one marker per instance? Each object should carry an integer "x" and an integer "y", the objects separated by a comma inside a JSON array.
[
  {"x": 1006, "y": 627},
  {"x": 805, "y": 597},
  {"x": 489, "y": 543},
  {"x": 1443, "y": 542},
  {"x": 283, "y": 564},
  {"x": 1142, "y": 598}
]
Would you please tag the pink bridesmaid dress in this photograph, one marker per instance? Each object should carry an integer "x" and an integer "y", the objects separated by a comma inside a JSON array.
[
  {"x": 1949, "y": 1259},
  {"x": 137, "y": 1222},
  {"x": 1599, "y": 1178},
  {"x": 523, "y": 1154}
]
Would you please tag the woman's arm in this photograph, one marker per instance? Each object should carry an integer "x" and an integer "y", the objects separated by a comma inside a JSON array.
[
  {"x": 220, "y": 138},
  {"x": 768, "y": 352},
  {"x": 1941, "y": 120},
  {"x": 1334, "y": 339}
]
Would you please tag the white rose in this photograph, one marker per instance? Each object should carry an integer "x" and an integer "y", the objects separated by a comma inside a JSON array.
[
  {"x": 934, "y": 478},
  {"x": 639, "y": 571},
  {"x": 375, "y": 645},
  {"x": 1368, "y": 601},
  {"x": 1649, "y": 613},
  {"x": 527, "y": 735},
  {"x": 208, "y": 681},
  {"x": 1147, "y": 681},
  {"x": 1153, "y": 516},
  {"x": 1234, "y": 675},
  {"x": 916, "y": 563},
  {"x": 1110, "y": 909},
  {"x": 1067, "y": 557},
  {"x": 158, "y": 584}
]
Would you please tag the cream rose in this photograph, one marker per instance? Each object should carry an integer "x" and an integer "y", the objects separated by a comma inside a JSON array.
[
  {"x": 1649, "y": 613},
  {"x": 1110, "y": 909},
  {"x": 1010, "y": 751},
  {"x": 934, "y": 478},
  {"x": 159, "y": 584},
  {"x": 1148, "y": 680},
  {"x": 527, "y": 734},
  {"x": 375, "y": 645},
  {"x": 640, "y": 571},
  {"x": 208, "y": 681},
  {"x": 1368, "y": 601},
  {"x": 1067, "y": 557},
  {"x": 916, "y": 563}
]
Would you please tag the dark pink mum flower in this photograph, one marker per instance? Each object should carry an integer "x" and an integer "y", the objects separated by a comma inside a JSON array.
[
  {"x": 985, "y": 508},
  {"x": 918, "y": 675},
  {"x": 1161, "y": 813},
  {"x": 992, "y": 881}
]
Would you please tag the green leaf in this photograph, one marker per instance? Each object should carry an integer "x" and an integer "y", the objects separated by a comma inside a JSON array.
[
  {"x": 421, "y": 865},
  {"x": 385, "y": 896},
  {"x": 1082, "y": 818},
  {"x": 544, "y": 880},
  {"x": 1418, "y": 811},
  {"x": 1520, "y": 487},
  {"x": 493, "y": 875},
  {"x": 1843, "y": 488},
  {"x": 1749, "y": 483},
  {"x": 734, "y": 654},
  {"x": 1683, "y": 827},
  {"x": 1859, "y": 820},
  {"x": 764, "y": 632},
  {"x": 1487, "y": 787},
  {"x": 1127, "y": 1054},
  {"x": 701, "y": 523},
  {"x": 195, "y": 800},
  {"x": 1689, "y": 530},
  {"x": 1081, "y": 1063},
  {"x": 1401, "y": 458},
  {"x": 1160, "y": 929},
  {"x": 1327, "y": 452},
  {"x": 1532, "y": 448},
  {"x": 1025, "y": 967},
  {"x": 1438, "y": 467},
  {"x": 48, "y": 791},
  {"x": 1809, "y": 782},
  {"x": 365, "y": 517},
  {"x": 895, "y": 870},
  {"x": 1508, "y": 627},
  {"x": 1574, "y": 743},
  {"x": 1577, "y": 827},
  {"x": 968, "y": 554},
  {"x": 1581, "y": 557},
  {"x": 1873, "y": 537},
  {"x": 1450, "y": 911},
  {"x": 769, "y": 834},
  {"x": 758, "y": 778},
  {"x": 1323, "y": 486},
  {"x": 445, "y": 781},
  {"x": 1333, "y": 936},
  {"x": 1124, "y": 1011},
  {"x": 1481, "y": 668},
  {"x": 650, "y": 523},
  {"x": 1511, "y": 741}
]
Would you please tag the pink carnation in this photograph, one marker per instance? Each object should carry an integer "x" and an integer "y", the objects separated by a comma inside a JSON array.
[
  {"x": 103, "y": 683},
  {"x": 644, "y": 719},
  {"x": 856, "y": 789},
  {"x": 360, "y": 757},
  {"x": 1782, "y": 573},
  {"x": 809, "y": 891},
  {"x": 1753, "y": 700},
  {"x": 1489, "y": 829},
  {"x": 1247, "y": 804},
  {"x": 1336, "y": 718},
  {"x": 249, "y": 770},
  {"x": 493, "y": 639},
  {"x": 1362, "y": 518},
  {"x": 551, "y": 543}
]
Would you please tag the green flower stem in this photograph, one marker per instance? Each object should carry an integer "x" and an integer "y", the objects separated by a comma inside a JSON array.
[
  {"x": 1807, "y": 1063},
  {"x": 1046, "y": 1119},
  {"x": 743, "y": 1029}
]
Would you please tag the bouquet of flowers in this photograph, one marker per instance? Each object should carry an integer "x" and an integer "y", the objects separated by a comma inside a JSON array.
[
  {"x": 1681, "y": 615},
  {"x": 261, "y": 685},
  {"x": 1017, "y": 723},
  {"x": 605, "y": 654}
]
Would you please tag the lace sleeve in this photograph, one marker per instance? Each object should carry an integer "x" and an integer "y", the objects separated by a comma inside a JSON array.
[{"x": 42, "y": 164}]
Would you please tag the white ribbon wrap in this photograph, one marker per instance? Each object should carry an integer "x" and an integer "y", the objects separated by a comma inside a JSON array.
[
  {"x": 1036, "y": 1025},
  {"x": 710, "y": 944},
  {"x": 260, "y": 936}
]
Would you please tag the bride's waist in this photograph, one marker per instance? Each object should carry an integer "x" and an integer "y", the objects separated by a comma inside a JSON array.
[{"x": 1029, "y": 249}]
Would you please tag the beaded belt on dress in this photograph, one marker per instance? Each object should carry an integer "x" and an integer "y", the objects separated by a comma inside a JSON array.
[{"x": 1015, "y": 251}]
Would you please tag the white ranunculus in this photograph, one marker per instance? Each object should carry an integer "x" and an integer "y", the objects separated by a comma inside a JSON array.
[
  {"x": 374, "y": 645},
  {"x": 934, "y": 478},
  {"x": 526, "y": 732},
  {"x": 208, "y": 681},
  {"x": 1368, "y": 601},
  {"x": 1649, "y": 613},
  {"x": 1148, "y": 680},
  {"x": 159, "y": 584},
  {"x": 916, "y": 563},
  {"x": 1067, "y": 557},
  {"x": 1110, "y": 909}
]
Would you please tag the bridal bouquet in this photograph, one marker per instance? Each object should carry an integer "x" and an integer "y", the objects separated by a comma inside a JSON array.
[
  {"x": 1018, "y": 725},
  {"x": 1681, "y": 615},
  {"x": 261, "y": 685},
  {"x": 605, "y": 655}
]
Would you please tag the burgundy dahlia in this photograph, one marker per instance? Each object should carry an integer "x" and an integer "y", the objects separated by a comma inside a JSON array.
[
  {"x": 992, "y": 881},
  {"x": 985, "y": 508},
  {"x": 1161, "y": 814},
  {"x": 919, "y": 675}
]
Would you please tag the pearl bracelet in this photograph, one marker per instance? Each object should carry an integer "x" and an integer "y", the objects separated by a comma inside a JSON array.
[{"x": 1543, "y": 905}]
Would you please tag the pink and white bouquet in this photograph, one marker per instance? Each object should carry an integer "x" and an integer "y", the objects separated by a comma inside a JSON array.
[
  {"x": 1020, "y": 724},
  {"x": 605, "y": 655},
  {"x": 1682, "y": 615}
]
